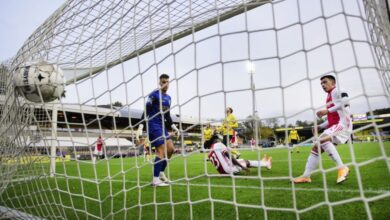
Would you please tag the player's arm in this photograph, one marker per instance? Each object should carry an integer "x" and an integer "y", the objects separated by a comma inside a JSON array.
[
  {"x": 340, "y": 100},
  {"x": 168, "y": 120},
  {"x": 169, "y": 123},
  {"x": 321, "y": 126},
  {"x": 149, "y": 103}
]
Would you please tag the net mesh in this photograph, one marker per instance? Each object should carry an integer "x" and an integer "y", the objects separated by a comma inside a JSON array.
[{"x": 112, "y": 53}]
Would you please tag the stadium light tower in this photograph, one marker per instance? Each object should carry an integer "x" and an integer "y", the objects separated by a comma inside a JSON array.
[{"x": 250, "y": 66}]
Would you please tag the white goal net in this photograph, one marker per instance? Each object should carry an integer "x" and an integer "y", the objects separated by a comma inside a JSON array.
[{"x": 262, "y": 59}]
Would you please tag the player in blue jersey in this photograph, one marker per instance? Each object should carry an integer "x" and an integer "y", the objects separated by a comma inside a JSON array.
[{"x": 159, "y": 121}]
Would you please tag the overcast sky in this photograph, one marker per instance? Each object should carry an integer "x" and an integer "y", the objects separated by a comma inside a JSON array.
[
  {"x": 19, "y": 19},
  {"x": 286, "y": 78}
]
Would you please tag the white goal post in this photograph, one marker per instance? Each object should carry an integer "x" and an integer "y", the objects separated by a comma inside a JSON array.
[{"x": 112, "y": 53}]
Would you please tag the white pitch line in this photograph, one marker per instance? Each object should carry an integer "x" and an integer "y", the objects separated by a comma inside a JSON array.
[{"x": 374, "y": 191}]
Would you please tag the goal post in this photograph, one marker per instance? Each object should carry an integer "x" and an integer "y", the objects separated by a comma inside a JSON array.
[{"x": 82, "y": 155}]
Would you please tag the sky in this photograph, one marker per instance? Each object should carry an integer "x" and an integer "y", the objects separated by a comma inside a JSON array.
[
  {"x": 209, "y": 69},
  {"x": 19, "y": 19}
]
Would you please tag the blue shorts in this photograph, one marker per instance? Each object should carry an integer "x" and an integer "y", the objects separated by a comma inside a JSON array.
[{"x": 156, "y": 137}]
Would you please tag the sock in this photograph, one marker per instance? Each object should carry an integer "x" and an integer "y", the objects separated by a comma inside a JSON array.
[
  {"x": 330, "y": 149},
  {"x": 157, "y": 167},
  {"x": 156, "y": 179},
  {"x": 255, "y": 163},
  {"x": 311, "y": 164},
  {"x": 163, "y": 165}
]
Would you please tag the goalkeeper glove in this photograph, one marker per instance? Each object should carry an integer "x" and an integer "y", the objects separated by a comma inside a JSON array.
[
  {"x": 175, "y": 129},
  {"x": 139, "y": 132}
]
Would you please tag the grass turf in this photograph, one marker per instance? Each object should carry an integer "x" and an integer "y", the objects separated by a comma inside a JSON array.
[{"x": 120, "y": 188}]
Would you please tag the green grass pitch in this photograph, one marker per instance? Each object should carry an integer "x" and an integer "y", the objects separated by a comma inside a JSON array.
[{"x": 120, "y": 189}]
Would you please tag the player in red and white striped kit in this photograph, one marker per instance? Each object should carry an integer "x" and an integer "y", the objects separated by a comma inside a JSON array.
[
  {"x": 226, "y": 163},
  {"x": 98, "y": 153},
  {"x": 338, "y": 128}
]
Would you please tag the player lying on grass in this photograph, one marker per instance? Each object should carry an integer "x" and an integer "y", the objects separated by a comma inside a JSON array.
[
  {"x": 338, "y": 130},
  {"x": 226, "y": 162}
]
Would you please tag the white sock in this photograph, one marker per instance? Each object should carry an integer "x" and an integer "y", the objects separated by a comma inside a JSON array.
[
  {"x": 156, "y": 179},
  {"x": 330, "y": 149},
  {"x": 255, "y": 163},
  {"x": 311, "y": 164},
  {"x": 162, "y": 174}
]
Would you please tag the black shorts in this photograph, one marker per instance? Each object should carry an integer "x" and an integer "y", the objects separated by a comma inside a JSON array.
[{"x": 294, "y": 141}]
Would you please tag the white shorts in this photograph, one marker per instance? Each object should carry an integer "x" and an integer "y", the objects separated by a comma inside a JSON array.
[
  {"x": 339, "y": 133},
  {"x": 97, "y": 152},
  {"x": 236, "y": 169}
]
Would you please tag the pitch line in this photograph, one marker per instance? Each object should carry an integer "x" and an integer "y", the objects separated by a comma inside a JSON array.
[{"x": 374, "y": 191}]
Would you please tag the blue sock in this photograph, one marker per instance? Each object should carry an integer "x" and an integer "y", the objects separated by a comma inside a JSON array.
[
  {"x": 157, "y": 167},
  {"x": 164, "y": 165}
]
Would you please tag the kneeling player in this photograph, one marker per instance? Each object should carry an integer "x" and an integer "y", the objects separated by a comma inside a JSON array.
[{"x": 225, "y": 162}]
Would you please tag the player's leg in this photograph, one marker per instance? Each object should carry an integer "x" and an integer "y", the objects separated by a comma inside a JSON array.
[
  {"x": 159, "y": 163},
  {"x": 326, "y": 143},
  {"x": 313, "y": 159},
  {"x": 311, "y": 165},
  {"x": 158, "y": 142},
  {"x": 295, "y": 142},
  {"x": 169, "y": 151},
  {"x": 225, "y": 140},
  {"x": 265, "y": 162},
  {"x": 338, "y": 135}
]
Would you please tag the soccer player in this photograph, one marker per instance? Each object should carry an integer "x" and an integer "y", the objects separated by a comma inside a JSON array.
[
  {"x": 159, "y": 122},
  {"x": 226, "y": 163},
  {"x": 338, "y": 128},
  {"x": 294, "y": 138},
  {"x": 234, "y": 139},
  {"x": 253, "y": 144},
  {"x": 143, "y": 142},
  {"x": 98, "y": 153},
  {"x": 228, "y": 126},
  {"x": 207, "y": 133}
]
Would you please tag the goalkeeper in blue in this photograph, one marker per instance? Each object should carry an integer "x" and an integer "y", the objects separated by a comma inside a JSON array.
[{"x": 159, "y": 122}]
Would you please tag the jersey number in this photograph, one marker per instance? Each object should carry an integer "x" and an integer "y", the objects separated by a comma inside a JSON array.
[{"x": 214, "y": 160}]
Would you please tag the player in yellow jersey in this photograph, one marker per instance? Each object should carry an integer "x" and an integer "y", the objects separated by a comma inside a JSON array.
[
  {"x": 228, "y": 126},
  {"x": 294, "y": 138},
  {"x": 207, "y": 133}
]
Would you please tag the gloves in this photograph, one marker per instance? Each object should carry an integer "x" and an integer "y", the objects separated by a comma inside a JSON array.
[
  {"x": 139, "y": 132},
  {"x": 175, "y": 129}
]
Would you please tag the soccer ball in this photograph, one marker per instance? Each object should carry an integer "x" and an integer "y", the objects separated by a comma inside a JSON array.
[{"x": 41, "y": 82}]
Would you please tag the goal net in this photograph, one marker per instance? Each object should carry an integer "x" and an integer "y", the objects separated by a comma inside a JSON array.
[{"x": 263, "y": 59}]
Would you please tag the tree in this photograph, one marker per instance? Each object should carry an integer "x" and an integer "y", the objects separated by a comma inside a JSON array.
[
  {"x": 265, "y": 130},
  {"x": 305, "y": 123},
  {"x": 272, "y": 122},
  {"x": 250, "y": 125},
  {"x": 117, "y": 104}
]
